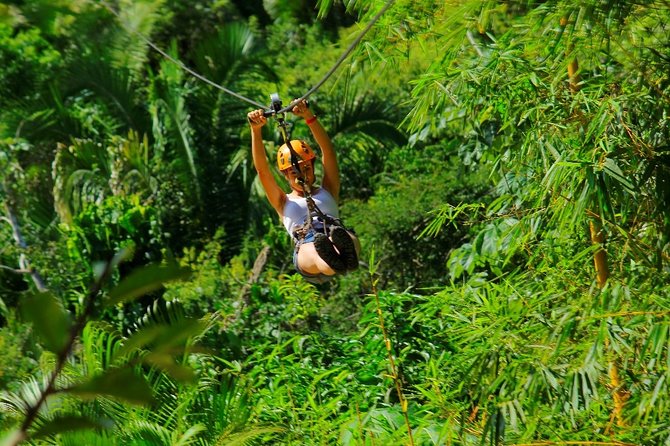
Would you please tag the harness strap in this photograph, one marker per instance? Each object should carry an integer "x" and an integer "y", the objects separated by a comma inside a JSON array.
[{"x": 314, "y": 211}]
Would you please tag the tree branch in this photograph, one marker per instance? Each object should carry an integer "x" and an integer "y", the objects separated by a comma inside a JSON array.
[
  {"x": 14, "y": 270},
  {"x": 18, "y": 238},
  {"x": 259, "y": 264},
  {"x": 75, "y": 331}
]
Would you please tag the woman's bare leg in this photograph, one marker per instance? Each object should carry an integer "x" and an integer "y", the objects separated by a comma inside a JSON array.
[{"x": 310, "y": 262}]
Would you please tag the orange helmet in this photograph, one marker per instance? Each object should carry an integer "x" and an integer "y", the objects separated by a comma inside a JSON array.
[{"x": 304, "y": 152}]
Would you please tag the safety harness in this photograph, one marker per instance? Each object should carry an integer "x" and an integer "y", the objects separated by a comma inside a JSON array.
[{"x": 314, "y": 211}]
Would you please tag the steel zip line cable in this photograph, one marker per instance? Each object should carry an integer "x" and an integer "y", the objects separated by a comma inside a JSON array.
[
  {"x": 239, "y": 96},
  {"x": 181, "y": 65},
  {"x": 342, "y": 57}
]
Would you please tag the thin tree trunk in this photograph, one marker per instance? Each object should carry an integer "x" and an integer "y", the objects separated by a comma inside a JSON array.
[
  {"x": 259, "y": 264},
  {"x": 24, "y": 264}
]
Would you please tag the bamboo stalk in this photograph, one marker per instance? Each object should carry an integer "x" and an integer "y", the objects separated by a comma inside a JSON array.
[
  {"x": 600, "y": 256},
  {"x": 573, "y": 76},
  {"x": 392, "y": 364},
  {"x": 619, "y": 393}
]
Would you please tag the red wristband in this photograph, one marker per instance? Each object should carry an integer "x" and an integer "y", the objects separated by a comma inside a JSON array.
[{"x": 311, "y": 120}]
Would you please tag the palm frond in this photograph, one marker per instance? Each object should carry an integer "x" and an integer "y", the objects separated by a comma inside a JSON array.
[
  {"x": 127, "y": 48},
  {"x": 222, "y": 56},
  {"x": 163, "y": 313},
  {"x": 147, "y": 432},
  {"x": 364, "y": 130},
  {"x": 249, "y": 436},
  {"x": 113, "y": 86},
  {"x": 172, "y": 103},
  {"x": 88, "y": 438},
  {"x": 360, "y": 112},
  {"x": 190, "y": 436},
  {"x": 16, "y": 403},
  {"x": 223, "y": 405},
  {"x": 80, "y": 173}
]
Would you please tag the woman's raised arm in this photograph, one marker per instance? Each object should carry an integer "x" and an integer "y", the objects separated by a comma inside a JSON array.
[
  {"x": 275, "y": 194},
  {"x": 331, "y": 172}
]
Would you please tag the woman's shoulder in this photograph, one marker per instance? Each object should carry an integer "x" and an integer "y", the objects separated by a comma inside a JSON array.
[{"x": 321, "y": 190}]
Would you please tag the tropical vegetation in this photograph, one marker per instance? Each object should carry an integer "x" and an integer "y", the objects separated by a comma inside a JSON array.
[{"x": 505, "y": 164}]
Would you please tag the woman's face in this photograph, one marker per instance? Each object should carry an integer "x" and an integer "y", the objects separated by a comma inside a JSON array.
[{"x": 307, "y": 169}]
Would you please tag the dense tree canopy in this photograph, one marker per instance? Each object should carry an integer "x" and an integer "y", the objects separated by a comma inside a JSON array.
[{"x": 506, "y": 165}]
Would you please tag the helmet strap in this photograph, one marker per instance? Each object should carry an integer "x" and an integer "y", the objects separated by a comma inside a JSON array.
[
  {"x": 295, "y": 158},
  {"x": 283, "y": 129}
]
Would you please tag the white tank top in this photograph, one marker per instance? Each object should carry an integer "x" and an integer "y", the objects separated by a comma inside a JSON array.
[{"x": 295, "y": 210}]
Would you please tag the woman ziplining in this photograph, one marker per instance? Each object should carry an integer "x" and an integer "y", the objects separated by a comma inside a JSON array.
[{"x": 323, "y": 246}]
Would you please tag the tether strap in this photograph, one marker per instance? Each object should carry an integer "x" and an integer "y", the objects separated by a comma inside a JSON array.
[{"x": 313, "y": 209}]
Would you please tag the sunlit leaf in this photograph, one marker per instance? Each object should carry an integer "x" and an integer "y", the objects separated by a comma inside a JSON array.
[
  {"x": 245, "y": 436},
  {"x": 140, "y": 339},
  {"x": 121, "y": 383},
  {"x": 169, "y": 365},
  {"x": 162, "y": 337},
  {"x": 145, "y": 280},
  {"x": 12, "y": 438},
  {"x": 612, "y": 169},
  {"x": 660, "y": 385},
  {"x": 66, "y": 423}
]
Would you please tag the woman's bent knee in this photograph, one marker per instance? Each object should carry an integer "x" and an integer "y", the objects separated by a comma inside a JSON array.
[{"x": 308, "y": 261}]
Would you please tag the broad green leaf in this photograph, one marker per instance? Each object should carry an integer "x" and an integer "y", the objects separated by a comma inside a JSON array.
[
  {"x": 162, "y": 337},
  {"x": 178, "y": 333},
  {"x": 99, "y": 269},
  {"x": 140, "y": 339},
  {"x": 657, "y": 390},
  {"x": 371, "y": 262},
  {"x": 604, "y": 198},
  {"x": 51, "y": 322},
  {"x": 169, "y": 365},
  {"x": 12, "y": 438},
  {"x": 121, "y": 383},
  {"x": 190, "y": 436},
  {"x": 66, "y": 423},
  {"x": 612, "y": 170},
  {"x": 575, "y": 392},
  {"x": 145, "y": 280},
  {"x": 489, "y": 245}
]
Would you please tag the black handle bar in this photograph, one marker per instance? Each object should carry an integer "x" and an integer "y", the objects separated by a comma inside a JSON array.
[{"x": 276, "y": 107}]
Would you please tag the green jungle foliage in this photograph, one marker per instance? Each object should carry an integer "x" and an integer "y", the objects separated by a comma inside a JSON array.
[{"x": 505, "y": 164}]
